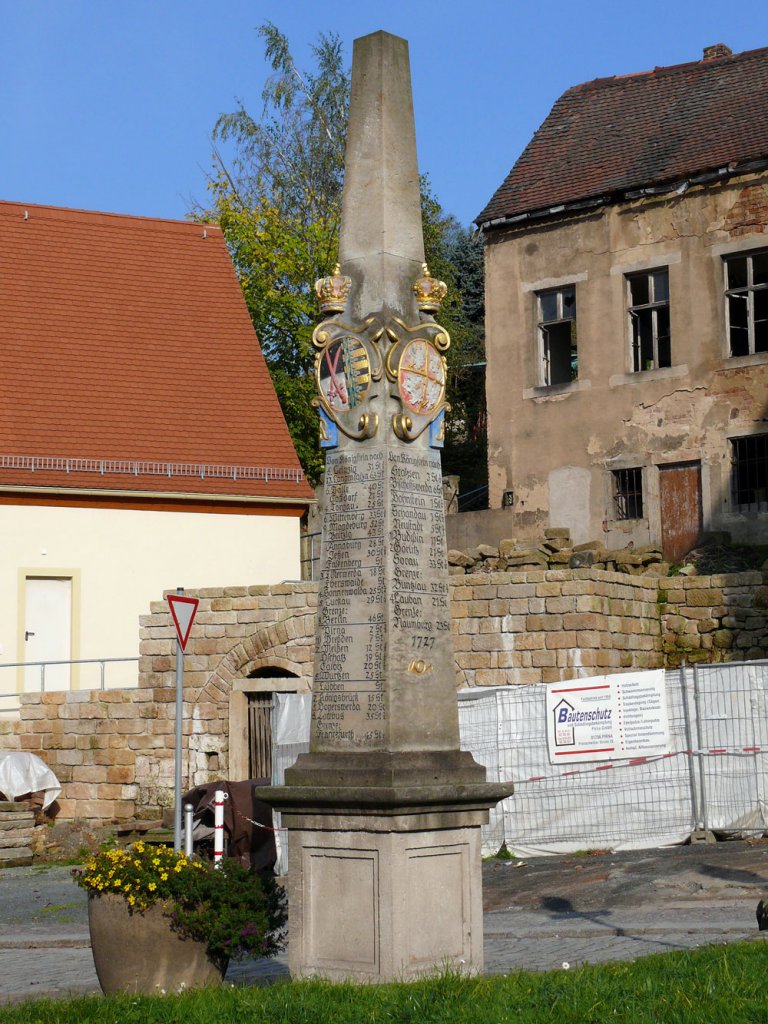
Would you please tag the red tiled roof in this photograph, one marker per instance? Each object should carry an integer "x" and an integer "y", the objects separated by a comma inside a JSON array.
[
  {"x": 613, "y": 135},
  {"x": 125, "y": 338}
]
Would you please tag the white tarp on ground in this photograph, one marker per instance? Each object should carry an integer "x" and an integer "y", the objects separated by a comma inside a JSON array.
[
  {"x": 22, "y": 773},
  {"x": 619, "y": 805}
]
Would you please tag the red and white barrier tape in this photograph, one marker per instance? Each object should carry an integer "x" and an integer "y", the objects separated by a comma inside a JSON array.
[
  {"x": 602, "y": 767},
  {"x": 635, "y": 761}
]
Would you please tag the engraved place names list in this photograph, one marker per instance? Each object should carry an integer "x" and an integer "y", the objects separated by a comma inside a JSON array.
[{"x": 383, "y": 590}]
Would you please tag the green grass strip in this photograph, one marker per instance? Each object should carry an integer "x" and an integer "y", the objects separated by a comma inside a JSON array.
[{"x": 712, "y": 985}]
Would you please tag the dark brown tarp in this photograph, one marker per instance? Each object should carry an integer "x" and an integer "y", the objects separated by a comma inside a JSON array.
[{"x": 253, "y": 846}]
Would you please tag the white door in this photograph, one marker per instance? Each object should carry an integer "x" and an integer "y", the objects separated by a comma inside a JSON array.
[{"x": 48, "y": 631}]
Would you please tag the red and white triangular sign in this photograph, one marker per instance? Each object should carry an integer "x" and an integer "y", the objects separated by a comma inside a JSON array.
[{"x": 183, "y": 610}]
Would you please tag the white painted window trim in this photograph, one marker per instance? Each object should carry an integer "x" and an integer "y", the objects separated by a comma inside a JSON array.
[
  {"x": 718, "y": 252},
  {"x": 548, "y": 283},
  {"x": 648, "y": 376},
  {"x": 541, "y": 346},
  {"x": 744, "y": 245},
  {"x": 552, "y": 392},
  {"x": 662, "y": 260}
]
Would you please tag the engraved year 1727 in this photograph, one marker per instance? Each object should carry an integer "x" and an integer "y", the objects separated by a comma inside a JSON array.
[{"x": 423, "y": 643}]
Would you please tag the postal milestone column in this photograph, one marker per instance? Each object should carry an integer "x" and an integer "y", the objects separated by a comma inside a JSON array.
[{"x": 384, "y": 812}]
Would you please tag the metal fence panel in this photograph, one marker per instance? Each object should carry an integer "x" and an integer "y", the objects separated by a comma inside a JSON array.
[
  {"x": 715, "y": 776},
  {"x": 609, "y": 805},
  {"x": 732, "y": 739}
]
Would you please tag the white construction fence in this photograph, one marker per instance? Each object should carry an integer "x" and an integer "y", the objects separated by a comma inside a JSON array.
[{"x": 714, "y": 776}]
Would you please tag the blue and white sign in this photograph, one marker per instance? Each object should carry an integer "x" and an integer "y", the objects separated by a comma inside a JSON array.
[{"x": 607, "y": 718}]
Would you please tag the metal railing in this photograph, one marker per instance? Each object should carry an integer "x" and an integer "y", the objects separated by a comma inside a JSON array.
[
  {"x": 13, "y": 695},
  {"x": 310, "y": 555},
  {"x": 133, "y": 467}
]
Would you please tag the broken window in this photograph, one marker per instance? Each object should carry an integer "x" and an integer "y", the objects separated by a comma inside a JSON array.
[
  {"x": 628, "y": 493},
  {"x": 746, "y": 300},
  {"x": 749, "y": 473},
  {"x": 557, "y": 335},
  {"x": 649, "y": 319}
]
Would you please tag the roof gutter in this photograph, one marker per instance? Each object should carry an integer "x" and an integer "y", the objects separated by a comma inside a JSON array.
[
  {"x": 679, "y": 187},
  {"x": 99, "y": 492}
]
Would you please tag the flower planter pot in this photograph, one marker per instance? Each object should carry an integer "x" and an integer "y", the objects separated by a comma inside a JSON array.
[{"x": 140, "y": 952}]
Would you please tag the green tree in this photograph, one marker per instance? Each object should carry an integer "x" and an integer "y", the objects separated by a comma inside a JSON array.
[
  {"x": 454, "y": 255},
  {"x": 466, "y": 442},
  {"x": 278, "y": 201},
  {"x": 279, "y": 204}
]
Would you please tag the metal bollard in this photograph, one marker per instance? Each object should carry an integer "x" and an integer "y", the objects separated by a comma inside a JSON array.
[
  {"x": 218, "y": 827},
  {"x": 189, "y": 810}
]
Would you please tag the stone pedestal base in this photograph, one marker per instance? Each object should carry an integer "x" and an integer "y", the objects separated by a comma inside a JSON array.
[
  {"x": 384, "y": 881},
  {"x": 384, "y": 905}
]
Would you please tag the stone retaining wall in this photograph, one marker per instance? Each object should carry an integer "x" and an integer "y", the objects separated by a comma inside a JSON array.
[
  {"x": 544, "y": 626},
  {"x": 714, "y": 618},
  {"x": 113, "y": 750}
]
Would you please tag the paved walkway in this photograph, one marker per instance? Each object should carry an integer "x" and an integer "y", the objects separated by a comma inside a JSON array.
[{"x": 44, "y": 946}]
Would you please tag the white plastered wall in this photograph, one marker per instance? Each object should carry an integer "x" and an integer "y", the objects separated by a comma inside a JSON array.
[{"x": 119, "y": 561}]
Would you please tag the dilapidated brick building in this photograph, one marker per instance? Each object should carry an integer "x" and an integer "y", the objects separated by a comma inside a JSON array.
[{"x": 627, "y": 310}]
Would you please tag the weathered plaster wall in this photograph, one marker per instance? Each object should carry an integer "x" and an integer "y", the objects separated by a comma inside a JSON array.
[
  {"x": 113, "y": 750},
  {"x": 610, "y": 418}
]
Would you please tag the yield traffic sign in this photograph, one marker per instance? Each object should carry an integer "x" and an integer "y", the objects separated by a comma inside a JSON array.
[{"x": 183, "y": 610}]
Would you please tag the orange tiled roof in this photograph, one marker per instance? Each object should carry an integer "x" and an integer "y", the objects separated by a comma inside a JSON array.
[
  {"x": 610, "y": 136},
  {"x": 127, "y": 339}
]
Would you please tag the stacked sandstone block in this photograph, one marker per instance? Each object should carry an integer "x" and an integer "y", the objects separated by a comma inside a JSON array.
[
  {"x": 96, "y": 742},
  {"x": 555, "y": 551},
  {"x": 544, "y": 626},
  {"x": 113, "y": 750},
  {"x": 17, "y": 830},
  {"x": 9, "y": 734},
  {"x": 714, "y": 618},
  {"x": 226, "y": 617}
]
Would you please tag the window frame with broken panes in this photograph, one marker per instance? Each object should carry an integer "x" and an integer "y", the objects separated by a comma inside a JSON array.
[
  {"x": 746, "y": 302},
  {"x": 648, "y": 311},
  {"x": 556, "y": 331},
  {"x": 627, "y": 493},
  {"x": 749, "y": 473}
]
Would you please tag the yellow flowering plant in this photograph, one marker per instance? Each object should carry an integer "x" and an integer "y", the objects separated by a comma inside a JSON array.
[{"x": 234, "y": 911}]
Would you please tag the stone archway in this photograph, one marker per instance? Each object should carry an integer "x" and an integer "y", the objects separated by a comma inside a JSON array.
[
  {"x": 275, "y": 658},
  {"x": 260, "y": 689}
]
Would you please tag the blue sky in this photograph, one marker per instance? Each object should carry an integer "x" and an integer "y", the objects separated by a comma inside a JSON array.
[{"x": 109, "y": 106}]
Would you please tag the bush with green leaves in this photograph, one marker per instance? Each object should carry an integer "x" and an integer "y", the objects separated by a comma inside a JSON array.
[{"x": 234, "y": 911}]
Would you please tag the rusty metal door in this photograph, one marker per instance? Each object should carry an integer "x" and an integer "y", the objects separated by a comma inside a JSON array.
[{"x": 680, "y": 499}]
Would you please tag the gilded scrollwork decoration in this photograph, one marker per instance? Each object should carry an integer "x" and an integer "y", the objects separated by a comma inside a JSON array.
[
  {"x": 416, "y": 365},
  {"x": 349, "y": 363}
]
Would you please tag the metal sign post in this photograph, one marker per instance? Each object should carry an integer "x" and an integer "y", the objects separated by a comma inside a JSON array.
[{"x": 183, "y": 613}]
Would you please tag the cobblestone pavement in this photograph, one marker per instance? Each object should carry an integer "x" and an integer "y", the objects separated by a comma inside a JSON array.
[{"x": 616, "y": 907}]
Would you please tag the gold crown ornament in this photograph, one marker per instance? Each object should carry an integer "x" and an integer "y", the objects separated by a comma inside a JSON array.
[
  {"x": 332, "y": 291},
  {"x": 429, "y": 292}
]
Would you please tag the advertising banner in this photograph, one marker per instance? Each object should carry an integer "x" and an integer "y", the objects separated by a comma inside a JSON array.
[{"x": 607, "y": 718}]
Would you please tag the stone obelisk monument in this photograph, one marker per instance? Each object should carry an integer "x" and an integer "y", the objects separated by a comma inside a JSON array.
[{"x": 384, "y": 812}]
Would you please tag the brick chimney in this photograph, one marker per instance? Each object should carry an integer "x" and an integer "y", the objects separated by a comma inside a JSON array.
[{"x": 717, "y": 50}]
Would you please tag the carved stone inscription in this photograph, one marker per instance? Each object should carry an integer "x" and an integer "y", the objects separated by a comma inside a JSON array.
[
  {"x": 419, "y": 607},
  {"x": 384, "y": 611},
  {"x": 347, "y": 702}
]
